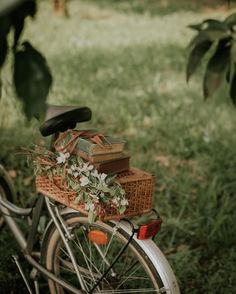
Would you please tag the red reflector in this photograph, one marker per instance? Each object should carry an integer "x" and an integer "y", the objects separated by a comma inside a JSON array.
[
  {"x": 98, "y": 237},
  {"x": 149, "y": 230}
]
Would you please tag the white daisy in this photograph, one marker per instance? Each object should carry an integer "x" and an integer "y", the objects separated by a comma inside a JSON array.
[
  {"x": 62, "y": 157},
  {"x": 84, "y": 181}
]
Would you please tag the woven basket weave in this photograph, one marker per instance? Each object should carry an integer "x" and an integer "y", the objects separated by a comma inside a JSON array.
[{"x": 138, "y": 186}]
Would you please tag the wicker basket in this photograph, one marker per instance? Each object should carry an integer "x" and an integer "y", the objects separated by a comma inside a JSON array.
[{"x": 138, "y": 186}]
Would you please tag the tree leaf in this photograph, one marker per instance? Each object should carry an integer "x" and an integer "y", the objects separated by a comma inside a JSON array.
[
  {"x": 32, "y": 79},
  {"x": 233, "y": 87},
  {"x": 27, "y": 8},
  {"x": 0, "y": 87},
  {"x": 230, "y": 20},
  {"x": 209, "y": 30},
  {"x": 216, "y": 68},
  {"x": 210, "y": 35},
  {"x": 233, "y": 51},
  {"x": 196, "y": 56},
  {"x": 228, "y": 75},
  {"x": 91, "y": 216},
  {"x": 5, "y": 25},
  {"x": 3, "y": 50},
  {"x": 210, "y": 24}
]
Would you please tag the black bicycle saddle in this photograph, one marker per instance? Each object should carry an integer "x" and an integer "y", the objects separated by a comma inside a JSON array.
[{"x": 61, "y": 118}]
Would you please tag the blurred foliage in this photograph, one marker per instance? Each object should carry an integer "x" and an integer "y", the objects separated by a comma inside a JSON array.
[
  {"x": 31, "y": 75},
  {"x": 222, "y": 63}
]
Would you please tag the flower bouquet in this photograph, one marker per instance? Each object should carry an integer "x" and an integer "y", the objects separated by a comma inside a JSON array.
[{"x": 94, "y": 190}]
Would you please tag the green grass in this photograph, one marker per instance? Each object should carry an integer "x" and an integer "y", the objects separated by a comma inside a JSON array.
[{"x": 129, "y": 68}]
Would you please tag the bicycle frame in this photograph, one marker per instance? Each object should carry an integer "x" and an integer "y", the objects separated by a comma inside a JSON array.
[{"x": 26, "y": 245}]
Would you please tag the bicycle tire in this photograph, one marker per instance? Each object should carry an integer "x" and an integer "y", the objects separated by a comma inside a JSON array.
[{"x": 151, "y": 268}]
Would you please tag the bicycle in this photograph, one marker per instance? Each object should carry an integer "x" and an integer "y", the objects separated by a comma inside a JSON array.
[{"x": 65, "y": 256}]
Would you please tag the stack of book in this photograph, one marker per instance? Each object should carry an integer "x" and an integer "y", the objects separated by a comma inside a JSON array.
[{"x": 108, "y": 157}]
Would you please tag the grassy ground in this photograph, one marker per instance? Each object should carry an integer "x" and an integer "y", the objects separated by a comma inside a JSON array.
[{"x": 128, "y": 66}]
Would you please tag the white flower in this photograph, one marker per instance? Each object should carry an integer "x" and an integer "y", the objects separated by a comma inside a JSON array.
[
  {"x": 75, "y": 174},
  {"x": 115, "y": 201},
  {"x": 62, "y": 157},
  {"x": 84, "y": 181},
  {"x": 89, "y": 206},
  {"x": 86, "y": 167},
  {"x": 103, "y": 177},
  {"x": 124, "y": 202},
  {"x": 94, "y": 196},
  {"x": 74, "y": 167},
  {"x": 95, "y": 173},
  {"x": 70, "y": 172}
]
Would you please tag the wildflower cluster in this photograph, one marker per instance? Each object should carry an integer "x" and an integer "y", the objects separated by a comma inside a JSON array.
[{"x": 95, "y": 190}]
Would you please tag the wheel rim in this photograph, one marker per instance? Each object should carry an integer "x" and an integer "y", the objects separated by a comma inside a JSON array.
[{"x": 130, "y": 274}]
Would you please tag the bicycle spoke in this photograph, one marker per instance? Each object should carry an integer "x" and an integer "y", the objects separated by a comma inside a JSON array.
[
  {"x": 89, "y": 262},
  {"x": 83, "y": 271},
  {"x": 131, "y": 275},
  {"x": 145, "y": 290},
  {"x": 129, "y": 271}
]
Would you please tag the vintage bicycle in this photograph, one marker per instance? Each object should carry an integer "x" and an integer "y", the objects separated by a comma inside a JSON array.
[{"x": 122, "y": 259}]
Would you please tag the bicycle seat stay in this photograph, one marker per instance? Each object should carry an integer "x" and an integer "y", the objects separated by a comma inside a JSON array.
[{"x": 61, "y": 118}]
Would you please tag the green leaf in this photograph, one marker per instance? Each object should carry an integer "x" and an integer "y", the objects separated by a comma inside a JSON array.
[
  {"x": 110, "y": 179},
  {"x": 228, "y": 75},
  {"x": 210, "y": 24},
  {"x": 216, "y": 68},
  {"x": 32, "y": 79},
  {"x": 233, "y": 51},
  {"x": 196, "y": 56},
  {"x": 91, "y": 216},
  {"x": 5, "y": 25},
  {"x": 209, "y": 30},
  {"x": 122, "y": 209},
  {"x": 0, "y": 87},
  {"x": 27, "y": 8},
  {"x": 233, "y": 87},
  {"x": 230, "y": 20},
  {"x": 3, "y": 50}
]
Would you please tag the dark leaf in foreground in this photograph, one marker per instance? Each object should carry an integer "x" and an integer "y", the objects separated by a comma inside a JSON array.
[
  {"x": 32, "y": 79},
  {"x": 233, "y": 87},
  {"x": 212, "y": 24},
  {"x": 4, "y": 30},
  {"x": 216, "y": 68},
  {"x": 27, "y": 8},
  {"x": 5, "y": 25},
  {"x": 230, "y": 20},
  {"x": 3, "y": 50},
  {"x": 210, "y": 35},
  {"x": 228, "y": 75},
  {"x": 196, "y": 56}
]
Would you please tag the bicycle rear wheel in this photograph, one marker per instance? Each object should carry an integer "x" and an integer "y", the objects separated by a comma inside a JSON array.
[{"x": 134, "y": 271}]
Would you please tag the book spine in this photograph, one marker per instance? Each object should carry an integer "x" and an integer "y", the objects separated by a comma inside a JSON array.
[
  {"x": 99, "y": 157},
  {"x": 113, "y": 167}
]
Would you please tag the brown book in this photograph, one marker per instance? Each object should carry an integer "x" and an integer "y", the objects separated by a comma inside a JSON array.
[
  {"x": 113, "y": 166},
  {"x": 100, "y": 157}
]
